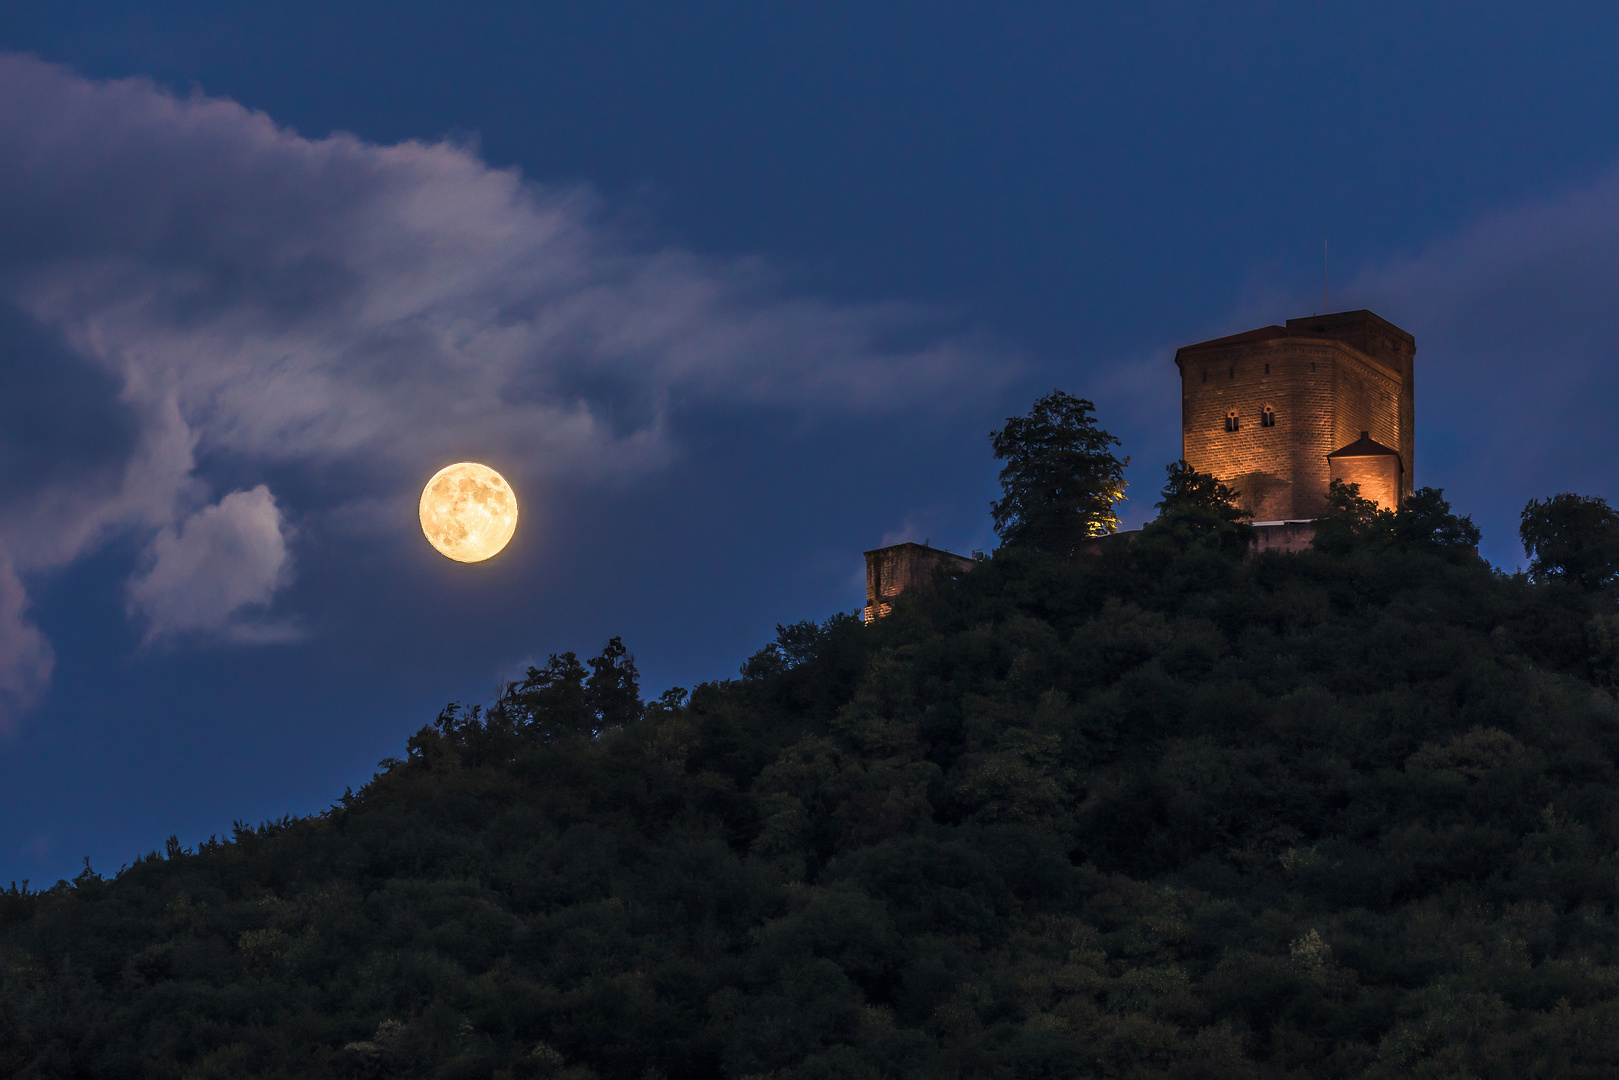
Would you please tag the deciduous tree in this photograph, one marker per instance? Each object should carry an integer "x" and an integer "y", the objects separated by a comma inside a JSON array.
[
  {"x": 1573, "y": 538},
  {"x": 1061, "y": 479},
  {"x": 1199, "y": 506}
]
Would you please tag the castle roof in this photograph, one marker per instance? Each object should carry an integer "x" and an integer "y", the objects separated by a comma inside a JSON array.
[
  {"x": 1251, "y": 337},
  {"x": 1264, "y": 333},
  {"x": 1365, "y": 446},
  {"x": 1373, "y": 336}
]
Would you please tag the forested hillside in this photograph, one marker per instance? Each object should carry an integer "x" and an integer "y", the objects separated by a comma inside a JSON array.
[
  {"x": 1149, "y": 807},
  {"x": 1158, "y": 812}
]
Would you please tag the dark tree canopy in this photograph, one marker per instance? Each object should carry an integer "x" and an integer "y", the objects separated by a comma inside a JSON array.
[
  {"x": 1061, "y": 479},
  {"x": 1423, "y": 522},
  {"x": 1573, "y": 538},
  {"x": 1192, "y": 494},
  {"x": 1350, "y": 520},
  {"x": 1173, "y": 812},
  {"x": 564, "y": 699},
  {"x": 1199, "y": 506}
]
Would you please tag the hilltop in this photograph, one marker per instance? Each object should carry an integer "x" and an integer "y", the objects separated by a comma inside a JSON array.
[{"x": 1166, "y": 811}]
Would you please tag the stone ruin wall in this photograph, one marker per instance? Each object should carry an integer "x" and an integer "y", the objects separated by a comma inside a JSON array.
[{"x": 892, "y": 570}]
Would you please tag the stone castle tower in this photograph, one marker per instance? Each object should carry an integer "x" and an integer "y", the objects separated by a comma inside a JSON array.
[{"x": 1279, "y": 411}]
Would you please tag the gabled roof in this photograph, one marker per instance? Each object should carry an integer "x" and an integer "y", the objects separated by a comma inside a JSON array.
[{"x": 1365, "y": 446}]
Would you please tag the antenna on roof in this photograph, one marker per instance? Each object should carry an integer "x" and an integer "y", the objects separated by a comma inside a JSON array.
[{"x": 1326, "y": 294}]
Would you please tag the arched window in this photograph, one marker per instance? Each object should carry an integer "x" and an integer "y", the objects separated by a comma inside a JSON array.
[
  {"x": 1231, "y": 420},
  {"x": 1267, "y": 417}
]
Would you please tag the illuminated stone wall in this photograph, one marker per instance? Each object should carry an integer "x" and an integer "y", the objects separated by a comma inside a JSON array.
[
  {"x": 892, "y": 570},
  {"x": 1392, "y": 350},
  {"x": 1378, "y": 476},
  {"x": 1321, "y": 386}
]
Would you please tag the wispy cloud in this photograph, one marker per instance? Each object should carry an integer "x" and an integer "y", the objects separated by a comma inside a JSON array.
[
  {"x": 212, "y": 572},
  {"x": 365, "y": 312},
  {"x": 1516, "y": 317},
  {"x": 26, "y": 658},
  {"x": 1517, "y": 326}
]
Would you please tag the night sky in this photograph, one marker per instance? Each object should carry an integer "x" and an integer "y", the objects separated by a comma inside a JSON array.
[{"x": 729, "y": 292}]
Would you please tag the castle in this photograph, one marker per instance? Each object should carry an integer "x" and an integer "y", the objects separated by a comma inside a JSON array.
[
  {"x": 1277, "y": 413},
  {"x": 1280, "y": 411}
]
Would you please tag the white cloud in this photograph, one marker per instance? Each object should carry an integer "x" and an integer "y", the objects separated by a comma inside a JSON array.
[
  {"x": 208, "y": 574},
  {"x": 333, "y": 297},
  {"x": 26, "y": 658},
  {"x": 368, "y": 312}
]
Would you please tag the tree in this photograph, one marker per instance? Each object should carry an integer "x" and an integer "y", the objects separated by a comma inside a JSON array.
[
  {"x": 1351, "y": 520},
  {"x": 1571, "y": 538},
  {"x": 563, "y": 700},
  {"x": 1199, "y": 506},
  {"x": 1423, "y": 522},
  {"x": 1061, "y": 478},
  {"x": 614, "y": 686}
]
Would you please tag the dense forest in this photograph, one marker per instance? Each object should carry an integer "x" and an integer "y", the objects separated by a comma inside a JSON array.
[{"x": 1161, "y": 810}]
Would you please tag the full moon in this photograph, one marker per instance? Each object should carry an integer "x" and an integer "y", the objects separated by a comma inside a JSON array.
[{"x": 468, "y": 512}]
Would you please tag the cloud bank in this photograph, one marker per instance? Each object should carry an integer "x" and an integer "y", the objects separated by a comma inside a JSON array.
[
  {"x": 1517, "y": 327},
  {"x": 231, "y": 293}
]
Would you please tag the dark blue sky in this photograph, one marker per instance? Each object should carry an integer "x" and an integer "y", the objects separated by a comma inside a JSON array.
[{"x": 730, "y": 292}]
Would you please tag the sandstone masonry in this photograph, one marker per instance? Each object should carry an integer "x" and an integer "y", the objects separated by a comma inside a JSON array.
[{"x": 1276, "y": 412}]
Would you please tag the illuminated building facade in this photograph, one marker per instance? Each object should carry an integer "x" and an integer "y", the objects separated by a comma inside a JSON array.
[{"x": 1279, "y": 411}]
